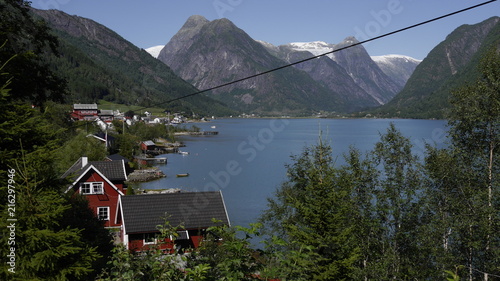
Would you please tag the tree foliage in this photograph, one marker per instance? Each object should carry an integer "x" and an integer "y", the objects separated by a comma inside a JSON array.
[
  {"x": 389, "y": 215},
  {"x": 27, "y": 42}
]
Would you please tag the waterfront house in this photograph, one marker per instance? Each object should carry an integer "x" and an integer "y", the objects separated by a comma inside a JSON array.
[
  {"x": 102, "y": 184},
  {"x": 88, "y": 112},
  {"x": 190, "y": 212},
  {"x": 135, "y": 218},
  {"x": 147, "y": 146}
]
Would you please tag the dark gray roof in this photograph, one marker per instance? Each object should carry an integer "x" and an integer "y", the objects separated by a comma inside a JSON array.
[
  {"x": 191, "y": 210},
  {"x": 113, "y": 170},
  {"x": 117, "y": 157},
  {"x": 106, "y": 112}
]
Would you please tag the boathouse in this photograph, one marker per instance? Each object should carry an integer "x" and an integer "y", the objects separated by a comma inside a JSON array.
[{"x": 148, "y": 146}]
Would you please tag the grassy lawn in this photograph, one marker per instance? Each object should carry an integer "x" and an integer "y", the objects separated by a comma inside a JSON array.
[{"x": 102, "y": 104}]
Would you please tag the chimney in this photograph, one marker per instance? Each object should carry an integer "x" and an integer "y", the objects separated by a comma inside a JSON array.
[{"x": 85, "y": 161}]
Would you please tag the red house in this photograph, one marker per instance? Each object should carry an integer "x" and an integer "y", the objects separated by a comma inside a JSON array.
[
  {"x": 147, "y": 146},
  {"x": 102, "y": 183},
  {"x": 194, "y": 212},
  {"x": 87, "y": 112},
  {"x": 137, "y": 217}
]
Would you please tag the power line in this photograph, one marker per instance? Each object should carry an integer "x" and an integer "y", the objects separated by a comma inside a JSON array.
[{"x": 321, "y": 55}]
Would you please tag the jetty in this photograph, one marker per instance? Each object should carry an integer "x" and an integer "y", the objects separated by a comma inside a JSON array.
[
  {"x": 145, "y": 160},
  {"x": 202, "y": 133}
]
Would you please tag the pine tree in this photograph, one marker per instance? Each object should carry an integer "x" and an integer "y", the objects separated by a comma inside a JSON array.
[{"x": 311, "y": 214}]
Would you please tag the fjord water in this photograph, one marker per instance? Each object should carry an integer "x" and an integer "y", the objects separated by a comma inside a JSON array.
[{"x": 247, "y": 159}]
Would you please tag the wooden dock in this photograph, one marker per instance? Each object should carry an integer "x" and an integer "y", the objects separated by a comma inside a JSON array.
[
  {"x": 202, "y": 133},
  {"x": 143, "y": 160}
]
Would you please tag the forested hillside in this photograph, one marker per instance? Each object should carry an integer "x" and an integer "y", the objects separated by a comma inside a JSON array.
[
  {"x": 99, "y": 64},
  {"x": 452, "y": 63}
]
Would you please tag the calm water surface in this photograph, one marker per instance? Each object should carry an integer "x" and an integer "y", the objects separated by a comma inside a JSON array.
[{"x": 247, "y": 159}]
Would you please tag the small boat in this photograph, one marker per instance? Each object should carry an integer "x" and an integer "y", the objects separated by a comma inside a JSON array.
[
  {"x": 183, "y": 152},
  {"x": 183, "y": 175},
  {"x": 213, "y": 127}
]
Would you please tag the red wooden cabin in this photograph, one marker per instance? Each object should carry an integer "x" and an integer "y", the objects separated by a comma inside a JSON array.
[
  {"x": 102, "y": 184},
  {"x": 191, "y": 212}
]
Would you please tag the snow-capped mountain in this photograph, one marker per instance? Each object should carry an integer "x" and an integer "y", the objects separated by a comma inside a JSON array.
[
  {"x": 388, "y": 59},
  {"x": 316, "y": 47},
  {"x": 352, "y": 73},
  {"x": 155, "y": 51},
  {"x": 398, "y": 67}
]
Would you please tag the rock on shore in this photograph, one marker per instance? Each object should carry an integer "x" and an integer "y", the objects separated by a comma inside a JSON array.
[{"x": 145, "y": 175}]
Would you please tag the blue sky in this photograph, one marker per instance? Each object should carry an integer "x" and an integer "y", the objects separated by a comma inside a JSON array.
[{"x": 153, "y": 22}]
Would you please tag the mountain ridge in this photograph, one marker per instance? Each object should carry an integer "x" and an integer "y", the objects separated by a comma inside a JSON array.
[
  {"x": 100, "y": 64},
  {"x": 450, "y": 64},
  {"x": 218, "y": 52}
]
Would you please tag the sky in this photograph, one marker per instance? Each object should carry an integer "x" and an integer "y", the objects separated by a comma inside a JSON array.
[{"x": 150, "y": 23}]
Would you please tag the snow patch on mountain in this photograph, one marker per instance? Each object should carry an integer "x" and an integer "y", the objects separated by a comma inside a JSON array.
[
  {"x": 389, "y": 59},
  {"x": 267, "y": 45},
  {"x": 155, "y": 50},
  {"x": 316, "y": 47}
]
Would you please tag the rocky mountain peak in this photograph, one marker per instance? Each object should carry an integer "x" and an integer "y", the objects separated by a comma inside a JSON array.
[
  {"x": 183, "y": 38},
  {"x": 220, "y": 52},
  {"x": 349, "y": 41},
  {"x": 194, "y": 22}
]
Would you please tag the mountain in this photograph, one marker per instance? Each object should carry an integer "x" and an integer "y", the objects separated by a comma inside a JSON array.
[
  {"x": 365, "y": 71},
  {"x": 100, "y": 64},
  {"x": 351, "y": 72},
  {"x": 326, "y": 71},
  {"x": 449, "y": 65},
  {"x": 398, "y": 67},
  {"x": 155, "y": 50},
  {"x": 210, "y": 53}
]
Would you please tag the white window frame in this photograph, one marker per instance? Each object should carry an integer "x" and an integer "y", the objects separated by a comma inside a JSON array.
[
  {"x": 95, "y": 188},
  {"x": 180, "y": 232},
  {"x": 99, "y": 215},
  {"x": 155, "y": 240}
]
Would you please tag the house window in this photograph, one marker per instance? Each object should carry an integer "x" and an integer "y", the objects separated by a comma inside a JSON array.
[
  {"x": 92, "y": 188},
  {"x": 183, "y": 235},
  {"x": 103, "y": 213},
  {"x": 149, "y": 238},
  {"x": 97, "y": 188}
]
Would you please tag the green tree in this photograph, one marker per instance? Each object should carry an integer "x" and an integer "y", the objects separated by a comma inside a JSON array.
[
  {"x": 30, "y": 41},
  {"x": 45, "y": 248},
  {"x": 80, "y": 145},
  {"x": 397, "y": 204},
  {"x": 34, "y": 218},
  {"x": 311, "y": 213},
  {"x": 466, "y": 191},
  {"x": 226, "y": 256},
  {"x": 358, "y": 221}
]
